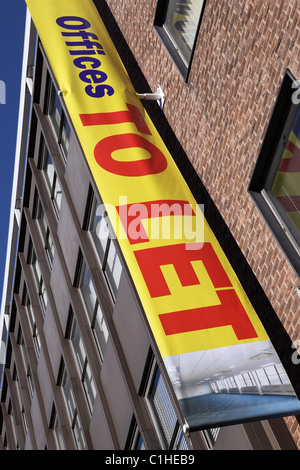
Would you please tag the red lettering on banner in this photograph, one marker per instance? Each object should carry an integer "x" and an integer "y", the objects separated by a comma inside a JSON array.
[
  {"x": 229, "y": 312},
  {"x": 150, "y": 260},
  {"x": 117, "y": 117},
  {"x": 157, "y": 162},
  {"x": 136, "y": 212}
]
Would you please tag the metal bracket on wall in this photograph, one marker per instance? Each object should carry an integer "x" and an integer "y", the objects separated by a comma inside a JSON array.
[{"x": 159, "y": 96}]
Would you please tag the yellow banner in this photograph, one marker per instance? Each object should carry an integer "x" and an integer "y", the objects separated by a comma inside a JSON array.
[
  {"x": 211, "y": 339},
  {"x": 191, "y": 295}
]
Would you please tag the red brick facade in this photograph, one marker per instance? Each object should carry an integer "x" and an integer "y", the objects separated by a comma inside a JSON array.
[{"x": 221, "y": 114}]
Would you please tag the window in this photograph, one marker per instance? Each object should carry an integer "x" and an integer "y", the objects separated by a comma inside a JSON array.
[
  {"x": 49, "y": 246},
  {"x": 65, "y": 383},
  {"x": 10, "y": 414},
  {"x": 103, "y": 243},
  {"x": 84, "y": 368},
  {"x": 210, "y": 436},
  {"x": 163, "y": 412},
  {"x": 24, "y": 419},
  {"x": 135, "y": 440},
  {"x": 56, "y": 426},
  {"x": 177, "y": 23},
  {"x": 113, "y": 268},
  {"x": 19, "y": 395},
  {"x": 39, "y": 214},
  {"x": 21, "y": 343},
  {"x": 97, "y": 228},
  {"x": 93, "y": 307},
  {"x": 33, "y": 326},
  {"x": 41, "y": 290},
  {"x": 138, "y": 444},
  {"x": 59, "y": 120},
  {"x": 47, "y": 167},
  {"x": 275, "y": 183}
]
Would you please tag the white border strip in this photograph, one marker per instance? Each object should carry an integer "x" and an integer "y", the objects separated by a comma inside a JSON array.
[{"x": 18, "y": 172}]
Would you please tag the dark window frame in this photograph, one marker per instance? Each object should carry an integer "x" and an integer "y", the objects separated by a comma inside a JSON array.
[
  {"x": 45, "y": 233},
  {"x": 62, "y": 127},
  {"x": 26, "y": 302},
  {"x": 257, "y": 187},
  {"x": 134, "y": 439},
  {"x": 159, "y": 20},
  {"x": 41, "y": 289},
  {"x": 154, "y": 389},
  {"x": 53, "y": 186},
  {"x": 73, "y": 334},
  {"x": 56, "y": 427},
  {"x": 105, "y": 251},
  {"x": 94, "y": 311},
  {"x": 74, "y": 420}
]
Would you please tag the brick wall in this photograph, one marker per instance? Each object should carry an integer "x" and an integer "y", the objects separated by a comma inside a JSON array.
[{"x": 220, "y": 117}]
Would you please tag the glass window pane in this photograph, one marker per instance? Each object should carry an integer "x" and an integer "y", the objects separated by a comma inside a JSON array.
[
  {"x": 113, "y": 268},
  {"x": 88, "y": 292},
  {"x": 181, "y": 22},
  {"x": 55, "y": 110},
  {"x": 162, "y": 408},
  {"x": 272, "y": 375},
  {"x": 262, "y": 377},
  {"x": 35, "y": 268},
  {"x": 36, "y": 339},
  {"x": 282, "y": 374},
  {"x": 41, "y": 221},
  {"x": 140, "y": 444},
  {"x": 50, "y": 248},
  {"x": 48, "y": 169},
  {"x": 65, "y": 136},
  {"x": 57, "y": 194},
  {"x": 78, "y": 347},
  {"x": 31, "y": 318},
  {"x": 58, "y": 432},
  {"x": 43, "y": 295},
  {"x": 275, "y": 182},
  {"x": 180, "y": 441},
  {"x": 286, "y": 184},
  {"x": 98, "y": 228},
  {"x": 247, "y": 378},
  {"x": 137, "y": 441},
  {"x": 89, "y": 386},
  {"x": 78, "y": 434},
  {"x": 100, "y": 331},
  {"x": 68, "y": 394},
  {"x": 27, "y": 304}
]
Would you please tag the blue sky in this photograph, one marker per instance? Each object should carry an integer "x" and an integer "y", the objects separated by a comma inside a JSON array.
[{"x": 12, "y": 28}]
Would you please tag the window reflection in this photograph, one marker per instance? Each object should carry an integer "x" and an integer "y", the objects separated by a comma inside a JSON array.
[
  {"x": 104, "y": 245},
  {"x": 181, "y": 22},
  {"x": 93, "y": 309},
  {"x": 59, "y": 121},
  {"x": 52, "y": 181}
]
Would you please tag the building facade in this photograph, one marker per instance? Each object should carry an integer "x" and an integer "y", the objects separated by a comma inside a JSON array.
[{"x": 82, "y": 368}]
